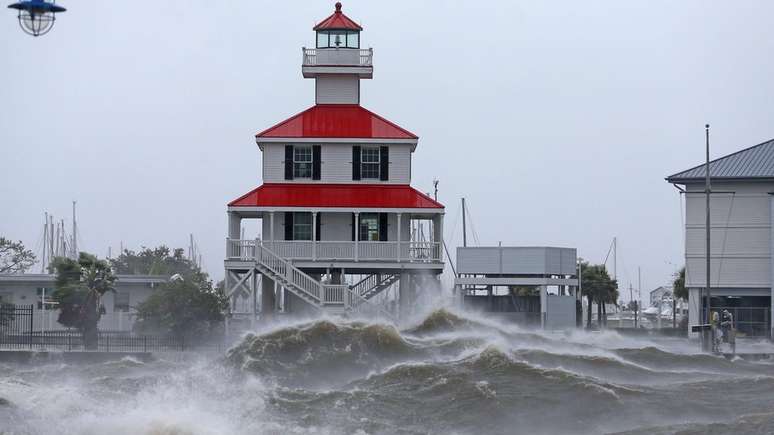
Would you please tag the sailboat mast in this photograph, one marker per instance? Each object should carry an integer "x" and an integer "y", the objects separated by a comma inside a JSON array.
[{"x": 464, "y": 228}]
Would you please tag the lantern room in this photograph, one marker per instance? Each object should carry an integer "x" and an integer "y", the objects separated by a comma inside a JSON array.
[
  {"x": 338, "y": 31},
  {"x": 337, "y": 49}
]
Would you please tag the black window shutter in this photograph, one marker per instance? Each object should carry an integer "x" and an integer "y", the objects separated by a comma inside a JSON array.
[
  {"x": 384, "y": 163},
  {"x": 353, "y": 227},
  {"x": 288, "y": 162},
  {"x": 316, "y": 155},
  {"x": 317, "y": 226},
  {"x": 356, "y": 162},
  {"x": 288, "y": 225},
  {"x": 382, "y": 227}
]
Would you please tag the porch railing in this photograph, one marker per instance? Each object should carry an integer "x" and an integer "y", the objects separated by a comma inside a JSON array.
[
  {"x": 412, "y": 252},
  {"x": 337, "y": 57}
]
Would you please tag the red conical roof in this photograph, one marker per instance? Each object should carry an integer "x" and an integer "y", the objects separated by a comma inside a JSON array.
[{"x": 337, "y": 21}]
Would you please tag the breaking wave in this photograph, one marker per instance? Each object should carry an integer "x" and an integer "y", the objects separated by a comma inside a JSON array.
[{"x": 448, "y": 373}]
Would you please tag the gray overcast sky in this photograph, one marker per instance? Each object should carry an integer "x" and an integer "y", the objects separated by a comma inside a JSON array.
[{"x": 556, "y": 120}]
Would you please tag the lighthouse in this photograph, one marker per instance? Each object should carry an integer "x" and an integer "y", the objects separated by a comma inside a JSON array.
[{"x": 341, "y": 229}]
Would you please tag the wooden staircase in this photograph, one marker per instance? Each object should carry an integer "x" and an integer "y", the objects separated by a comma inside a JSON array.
[{"x": 330, "y": 298}]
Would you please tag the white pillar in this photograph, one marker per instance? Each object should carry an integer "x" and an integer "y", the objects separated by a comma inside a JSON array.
[
  {"x": 398, "y": 237},
  {"x": 543, "y": 303},
  {"x": 314, "y": 236},
  {"x": 271, "y": 229},
  {"x": 234, "y": 225},
  {"x": 438, "y": 236},
  {"x": 357, "y": 234},
  {"x": 694, "y": 310}
]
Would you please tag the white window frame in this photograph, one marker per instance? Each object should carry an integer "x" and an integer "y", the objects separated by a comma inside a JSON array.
[
  {"x": 365, "y": 230},
  {"x": 297, "y": 162},
  {"x": 377, "y": 163},
  {"x": 297, "y": 224}
]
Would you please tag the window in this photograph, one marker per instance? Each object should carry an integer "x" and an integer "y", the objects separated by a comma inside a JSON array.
[
  {"x": 369, "y": 227},
  {"x": 121, "y": 301},
  {"x": 322, "y": 39},
  {"x": 302, "y": 162},
  {"x": 338, "y": 38},
  {"x": 353, "y": 40},
  {"x": 44, "y": 297},
  {"x": 369, "y": 163},
  {"x": 302, "y": 226}
]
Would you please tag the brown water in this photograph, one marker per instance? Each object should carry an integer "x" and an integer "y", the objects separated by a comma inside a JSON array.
[{"x": 445, "y": 374}]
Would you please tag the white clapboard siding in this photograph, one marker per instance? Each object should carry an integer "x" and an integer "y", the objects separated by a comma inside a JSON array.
[
  {"x": 727, "y": 209},
  {"x": 336, "y": 166},
  {"x": 729, "y": 272},
  {"x": 337, "y": 226},
  {"x": 336, "y": 89},
  {"x": 729, "y": 242},
  {"x": 740, "y": 236}
]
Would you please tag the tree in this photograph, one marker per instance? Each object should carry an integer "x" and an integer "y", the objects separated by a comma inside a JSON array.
[
  {"x": 79, "y": 287},
  {"x": 182, "y": 308},
  {"x": 158, "y": 261},
  {"x": 14, "y": 257},
  {"x": 186, "y": 306},
  {"x": 678, "y": 285},
  {"x": 598, "y": 287}
]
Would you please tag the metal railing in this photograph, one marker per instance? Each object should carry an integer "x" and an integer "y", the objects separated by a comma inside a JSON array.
[
  {"x": 335, "y": 294},
  {"x": 337, "y": 57},
  {"x": 283, "y": 268},
  {"x": 335, "y": 250},
  {"x": 415, "y": 252},
  {"x": 106, "y": 342}
]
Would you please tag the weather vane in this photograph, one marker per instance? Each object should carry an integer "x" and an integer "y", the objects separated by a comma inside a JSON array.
[{"x": 36, "y": 17}]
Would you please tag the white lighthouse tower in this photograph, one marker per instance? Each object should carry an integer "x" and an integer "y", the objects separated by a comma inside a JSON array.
[{"x": 342, "y": 230}]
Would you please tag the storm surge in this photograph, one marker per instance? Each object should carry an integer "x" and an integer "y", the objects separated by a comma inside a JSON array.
[{"x": 445, "y": 373}]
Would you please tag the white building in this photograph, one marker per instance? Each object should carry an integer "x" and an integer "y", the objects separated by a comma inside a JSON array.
[
  {"x": 491, "y": 278},
  {"x": 741, "y": 239},
  {"x": 340, "y": 222},
  {"x": 36, "y": 288}
]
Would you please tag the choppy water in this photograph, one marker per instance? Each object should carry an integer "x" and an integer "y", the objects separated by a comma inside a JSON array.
[{"x": 446, "y": 374}]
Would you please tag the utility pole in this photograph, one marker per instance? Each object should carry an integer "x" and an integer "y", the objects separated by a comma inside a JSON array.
[
  {"x": 707, "y": 190},
  {"x": 464, "y": 230}
]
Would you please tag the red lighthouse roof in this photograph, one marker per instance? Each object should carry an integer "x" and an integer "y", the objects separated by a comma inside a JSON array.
[
  {"x": 336, "y": 195},
  {"x": 337, "y": 121},
  {"x": 337, "y": 21}
]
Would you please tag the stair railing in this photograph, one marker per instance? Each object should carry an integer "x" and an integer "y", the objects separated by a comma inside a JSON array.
[{"x": 292, "y": 274}]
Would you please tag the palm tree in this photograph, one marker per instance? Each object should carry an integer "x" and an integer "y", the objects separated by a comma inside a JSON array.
[
  {"x": 80, "y": 286},
  {"x": 598, "y": 287}
]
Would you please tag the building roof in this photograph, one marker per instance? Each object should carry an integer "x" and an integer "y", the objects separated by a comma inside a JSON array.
[
  {"x": 337, "y": 121},
  {"x": 756, "y": 162},
  {"x": 337, "y": 21},
  {"x": 336, "y": 196}
]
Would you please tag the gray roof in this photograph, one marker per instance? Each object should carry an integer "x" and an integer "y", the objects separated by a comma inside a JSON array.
[{"x": 756, "y": 162}]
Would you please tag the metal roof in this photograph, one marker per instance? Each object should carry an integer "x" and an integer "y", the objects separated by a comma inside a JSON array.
[
  {"x": 756, "y": 162},
  {"x": 338, "y": 21},
  {"x": 337, "y": 121},
  {"x": 335, "y": 195}
]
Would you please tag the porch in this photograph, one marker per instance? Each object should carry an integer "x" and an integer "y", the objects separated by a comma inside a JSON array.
[{"x": 313, "y": 250}]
